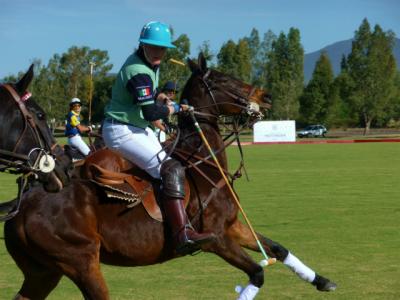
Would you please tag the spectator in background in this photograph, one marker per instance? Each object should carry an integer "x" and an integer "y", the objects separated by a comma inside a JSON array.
[{"x": 170, "y": 89}]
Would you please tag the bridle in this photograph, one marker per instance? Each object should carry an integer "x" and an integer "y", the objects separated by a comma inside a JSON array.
[
  {"x": 250, "y": 110},
  {"x": 17, "y": 163},
  {"x": 192, "y": 158},
  {"x": 41, "y": 159},
  {"x": 243, "y": 102}
]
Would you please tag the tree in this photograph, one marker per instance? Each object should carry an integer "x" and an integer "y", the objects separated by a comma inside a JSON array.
[
  {"x": 227, "y": 58},
  {"x": 317, "y": 96},
  {"x": 67, "y": 76},
  {"x": 255, "y": 48},
  {"x": 75, "y": 67},
  {"x": 176, "y": 72},
  {"x": 207, "y": 53},
  {"x": 372, "y": 68},
  {"x": 243, "y": 60},
  {"x": 48, "y": 90},
  {"x": 261, "y": 67},
  {"x": 393, "y": 116},
  {"x": 235, "y": 59},
  {"x": 101, "y": 95},
  {"x": 285, "y": 74},
  {"x": 343, "y": 85}
]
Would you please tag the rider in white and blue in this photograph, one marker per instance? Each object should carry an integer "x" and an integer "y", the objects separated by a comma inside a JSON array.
[
  {"x": 134, "y": 106},
  {"x": 74, "y": 128}
]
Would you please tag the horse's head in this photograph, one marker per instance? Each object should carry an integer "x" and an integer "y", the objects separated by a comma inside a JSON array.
[
  {"x": 214, "y": 93},
  {"x": 26, "y": 142}
]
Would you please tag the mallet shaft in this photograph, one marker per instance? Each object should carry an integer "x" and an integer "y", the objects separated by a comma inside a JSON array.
[
  {"x": 177, "y": 62},
  {"x": 196, "y": 124}
]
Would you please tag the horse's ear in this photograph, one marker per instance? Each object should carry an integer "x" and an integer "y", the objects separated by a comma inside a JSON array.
[
  {"x": 23, "y": 83},
  {"x": 202, "y": 62},
  {"x": 192, "y": 65}
]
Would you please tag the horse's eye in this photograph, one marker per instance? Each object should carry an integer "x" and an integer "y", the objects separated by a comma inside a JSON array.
[{"x": 40, "y": 116}]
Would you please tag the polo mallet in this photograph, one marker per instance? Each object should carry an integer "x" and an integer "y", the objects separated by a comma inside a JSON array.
[
  {"x": 178, "y": 62},
  {"x": 92, "y": 65},
  {"x": 267, "y": 261}
]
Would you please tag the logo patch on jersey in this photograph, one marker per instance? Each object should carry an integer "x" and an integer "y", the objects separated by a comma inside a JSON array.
[{"x": 144, "y": 92}]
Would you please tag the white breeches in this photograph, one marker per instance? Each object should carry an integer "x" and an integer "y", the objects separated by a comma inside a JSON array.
[
  {"x": 138, "y": 145},
  {"x": 77, "y": 142}
]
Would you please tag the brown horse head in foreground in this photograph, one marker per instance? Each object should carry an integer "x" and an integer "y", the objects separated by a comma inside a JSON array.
[
  {"x": 27, "y": 146},
  {"x": 71, "y": 232}
]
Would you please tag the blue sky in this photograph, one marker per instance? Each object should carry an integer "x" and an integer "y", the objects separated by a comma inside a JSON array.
[{"x": 40, "y": 28}]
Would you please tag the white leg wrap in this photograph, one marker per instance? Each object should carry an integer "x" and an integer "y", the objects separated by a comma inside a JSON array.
[
  {"x": 299, "y": 268},
  {"x": 248, "y": 293}
]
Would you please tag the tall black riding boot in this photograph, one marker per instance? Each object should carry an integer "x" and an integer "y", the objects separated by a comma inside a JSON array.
[
  {"x": 187, "y": 240},
  {"x": 173, "y": 179}
]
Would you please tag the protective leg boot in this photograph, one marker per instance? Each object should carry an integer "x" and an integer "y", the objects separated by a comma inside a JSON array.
[
  {"x": 187, "y": 240},
  {"x": 173, "y": 181}
]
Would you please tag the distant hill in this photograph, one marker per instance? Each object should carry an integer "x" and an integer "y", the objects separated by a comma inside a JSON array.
[{"x": 335, "y": 52}]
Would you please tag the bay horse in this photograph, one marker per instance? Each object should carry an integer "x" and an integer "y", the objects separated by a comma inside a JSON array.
[
  {"x": 27, "y": 146},
  {"x": 69, "y": 233}
]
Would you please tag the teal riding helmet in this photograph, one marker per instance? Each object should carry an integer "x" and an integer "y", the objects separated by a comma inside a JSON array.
[{"x": 157, "y": 34}]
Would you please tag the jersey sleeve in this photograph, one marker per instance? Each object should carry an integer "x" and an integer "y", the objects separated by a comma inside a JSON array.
[
  {"x": 141, "y": 88},
  {"x": 74, "y": 121}
]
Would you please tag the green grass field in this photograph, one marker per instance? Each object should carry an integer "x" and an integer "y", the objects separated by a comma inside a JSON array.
[{"x": 335, "y": 206}]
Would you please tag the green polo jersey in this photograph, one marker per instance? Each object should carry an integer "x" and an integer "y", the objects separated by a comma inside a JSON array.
[{"x": 122, "y": 106}]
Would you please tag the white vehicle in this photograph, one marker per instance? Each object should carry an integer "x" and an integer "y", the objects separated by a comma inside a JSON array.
[{"x": 312, "y": 131}]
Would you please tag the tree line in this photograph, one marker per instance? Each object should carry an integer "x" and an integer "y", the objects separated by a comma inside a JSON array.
[{"x": 366, "y": 93}]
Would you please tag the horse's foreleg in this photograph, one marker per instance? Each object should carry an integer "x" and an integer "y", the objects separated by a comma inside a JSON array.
[
  {"x": 84, "y": 270},
  {"x": 242, "y": 235},
  {"x": 231, "y": 252},
  {"x": 91, "y": 282}
]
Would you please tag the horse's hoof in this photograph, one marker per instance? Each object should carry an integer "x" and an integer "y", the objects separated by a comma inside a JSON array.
[{"x": 324, "y": 284}]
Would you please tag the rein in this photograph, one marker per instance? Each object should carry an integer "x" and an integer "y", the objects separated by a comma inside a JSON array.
[{"x": 192, "y": 159}]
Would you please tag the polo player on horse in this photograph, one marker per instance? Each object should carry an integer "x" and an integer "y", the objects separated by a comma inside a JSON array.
[{"x": 134, "y": 106}]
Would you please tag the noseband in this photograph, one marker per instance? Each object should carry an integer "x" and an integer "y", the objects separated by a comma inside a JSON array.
[{"x": 20, "y": 163}]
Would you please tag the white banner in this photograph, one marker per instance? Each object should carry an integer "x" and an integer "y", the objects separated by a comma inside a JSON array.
[{"x": 274, "y": 131}]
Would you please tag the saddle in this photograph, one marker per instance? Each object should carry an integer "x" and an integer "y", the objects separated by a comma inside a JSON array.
[{"x": 133, "y": 186}]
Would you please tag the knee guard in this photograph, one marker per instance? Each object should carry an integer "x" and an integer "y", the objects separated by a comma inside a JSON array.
[{"x": 173, "y": 179}]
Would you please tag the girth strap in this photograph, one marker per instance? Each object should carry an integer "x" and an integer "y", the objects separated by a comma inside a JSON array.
[{"x": 205, "y": 203}]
